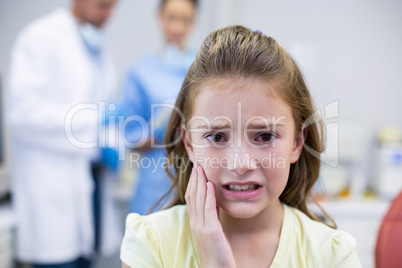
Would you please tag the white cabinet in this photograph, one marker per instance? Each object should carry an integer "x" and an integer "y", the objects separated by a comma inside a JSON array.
[{"x": 7, "y": 223}]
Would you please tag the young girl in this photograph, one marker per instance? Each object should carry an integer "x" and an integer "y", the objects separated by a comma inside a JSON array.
[{"x": 240, "y": 159}]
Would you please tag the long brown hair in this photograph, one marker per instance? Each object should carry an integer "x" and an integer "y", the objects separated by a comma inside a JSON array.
[{"x": 234, "y": 52}]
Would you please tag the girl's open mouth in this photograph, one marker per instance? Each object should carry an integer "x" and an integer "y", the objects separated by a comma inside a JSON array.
[
  {"x": 247, "y": 187},
  {"x": 242, "y": 191}
]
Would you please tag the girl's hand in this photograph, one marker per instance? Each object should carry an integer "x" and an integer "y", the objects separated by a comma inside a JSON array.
[{"x": 211, "y": 241}]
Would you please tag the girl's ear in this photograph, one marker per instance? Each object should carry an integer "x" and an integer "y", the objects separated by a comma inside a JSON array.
[
  {"x": 299, "y": 143},
  {"x": 187, "y": 143}
]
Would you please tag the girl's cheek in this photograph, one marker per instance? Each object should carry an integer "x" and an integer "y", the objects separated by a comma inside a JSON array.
[
  {"x": 271, "y": 157},
  {"x": 211, "y": 161}
]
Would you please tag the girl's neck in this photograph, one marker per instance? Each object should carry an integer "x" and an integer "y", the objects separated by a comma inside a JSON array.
[
  {"x": 254, "y": 241},
  {"x": 268, "y": 220}
]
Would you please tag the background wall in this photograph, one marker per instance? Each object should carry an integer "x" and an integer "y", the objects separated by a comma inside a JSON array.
[{"x": 349, "y": 50}]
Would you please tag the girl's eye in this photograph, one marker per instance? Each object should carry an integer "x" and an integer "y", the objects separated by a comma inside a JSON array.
[
  {"x": 216, "y": 137},
  {"x": 266, "y": 137}
]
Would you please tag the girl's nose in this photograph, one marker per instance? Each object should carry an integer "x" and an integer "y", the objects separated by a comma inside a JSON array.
[{"x": 241, "y": 160}]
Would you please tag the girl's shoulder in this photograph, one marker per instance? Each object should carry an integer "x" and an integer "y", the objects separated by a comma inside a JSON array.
[
  {"x": 159, "y": 239},
  {"x": 163, "y": 221},
  {"x": 316, "y": 243},
  {"x": 309, "y": 226},
  {"x": 314, "y": 230}
]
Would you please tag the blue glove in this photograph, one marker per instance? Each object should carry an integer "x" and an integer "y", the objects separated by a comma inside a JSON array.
[{"x": 110, "y": 158}]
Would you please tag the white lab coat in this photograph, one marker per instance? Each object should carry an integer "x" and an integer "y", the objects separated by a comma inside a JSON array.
[{"x": 51, "y": 72}]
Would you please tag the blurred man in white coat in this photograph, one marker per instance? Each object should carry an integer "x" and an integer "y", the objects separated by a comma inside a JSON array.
[{"x": 57, "y": 63}]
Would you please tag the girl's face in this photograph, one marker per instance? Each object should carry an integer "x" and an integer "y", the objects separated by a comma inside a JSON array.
[
  {"x": 244, "y": 138},
  {"x": 177, "y": 19}
]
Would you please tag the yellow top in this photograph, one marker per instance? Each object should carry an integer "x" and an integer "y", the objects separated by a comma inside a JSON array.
[{"x": 164, "y": 239}]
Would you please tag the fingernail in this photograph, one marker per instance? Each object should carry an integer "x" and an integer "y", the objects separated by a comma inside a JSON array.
[
  {"x": 208, "y": 184},
  {"x": 199, "y": 168}
]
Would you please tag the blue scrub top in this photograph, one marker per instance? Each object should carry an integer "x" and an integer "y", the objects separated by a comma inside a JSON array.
[{"x": 151, "y": 80}]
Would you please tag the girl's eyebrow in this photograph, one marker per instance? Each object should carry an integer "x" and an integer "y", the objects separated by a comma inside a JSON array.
[
  {"x": 212, "y": 126},
  {"x": 255, "y": 125},
  {"x": 252, "y": 125}
]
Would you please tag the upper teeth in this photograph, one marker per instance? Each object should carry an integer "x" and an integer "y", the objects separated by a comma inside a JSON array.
[{"x": 242, "y": 187}]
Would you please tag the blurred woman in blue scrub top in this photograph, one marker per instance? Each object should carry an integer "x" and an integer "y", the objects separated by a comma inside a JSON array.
[{"x": 156, "y": 79}]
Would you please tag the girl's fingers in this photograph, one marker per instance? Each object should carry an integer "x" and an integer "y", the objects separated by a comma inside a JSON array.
[
  {"x": 211, "y": 213},
  {"x": 191, "y": 191},
  {"x": 201, "y": 192}
]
